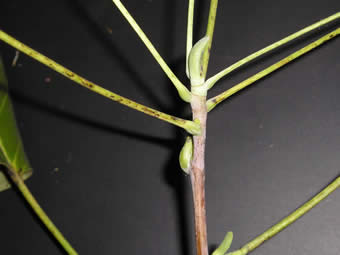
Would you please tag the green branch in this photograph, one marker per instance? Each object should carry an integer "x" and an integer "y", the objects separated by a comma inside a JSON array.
[
  {"x": 189, "y": 33},
  {"x": 211, "y": 81},
  {"x": 209, "y": 34},
  {"x": 183, "y": 92},
  {"x": 190, "y": 126},
  {"x": 39, "y": 211},
  {"x": 288, "y": 220},
  {"x": 211, "y": 103}
]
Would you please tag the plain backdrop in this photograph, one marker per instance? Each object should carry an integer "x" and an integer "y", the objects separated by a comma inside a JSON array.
[{"x": 109, "y": 176}]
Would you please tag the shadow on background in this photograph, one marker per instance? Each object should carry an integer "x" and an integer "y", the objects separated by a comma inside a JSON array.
[
  {"x": 53, "y": 111},
  {"x": 173, "y": 175}
]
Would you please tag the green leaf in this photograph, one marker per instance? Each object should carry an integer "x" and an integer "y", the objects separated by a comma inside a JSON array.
[{"x": 12, "y": 154}]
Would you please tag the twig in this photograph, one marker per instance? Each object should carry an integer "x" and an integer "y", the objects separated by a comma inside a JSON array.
[{"x": 197, "y": 173}]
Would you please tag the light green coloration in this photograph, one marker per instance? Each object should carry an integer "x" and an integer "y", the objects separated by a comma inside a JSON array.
[
  {"x": 225, "y": 245},
  {"x": 238, "y": 252},
  {"x": 192, "y": 127},
  {"x": 212, "y": 80},
  {"x": 185, "y": 156},
  {"x": 12, "y": 154},
  {"x": 288, "y": 220},
  {"x": 209, "y": 33},
  {"x": 211, "y": 103},
  {"x": 183, "y": 92},
  {"x": 197, "y": 121},
  {"x": 190, "y": 25},
  {"x": 188, "y": 125},
  {"x": 196, "y": 62}
]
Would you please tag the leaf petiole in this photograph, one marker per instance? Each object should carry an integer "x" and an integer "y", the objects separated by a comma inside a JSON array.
[
  {"x": 189, "y": 126},
  {"x": 183, "y": 92},
  {"x": 211, "y": 103},
  {"x": 190, "y": 24},
  {"x": 256, "y": 242},
  {"x": 212, "y": 80}
]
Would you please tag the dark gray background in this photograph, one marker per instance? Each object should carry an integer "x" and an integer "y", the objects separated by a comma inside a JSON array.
[{"x": 108, "y": 176}]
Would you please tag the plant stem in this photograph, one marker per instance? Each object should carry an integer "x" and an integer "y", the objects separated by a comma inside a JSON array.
[
  {"x": 189, "y": 33},
  {"x": 289, "y": 219},
  {"x": 209, "y": 33},
  {"x": 188, "y": 125},
  {"x": 183, "y": 91},
  {"x": 197, "y": 175},
  {"x": 211, "y": 103},
  {"x": 39, "y": 211},
  {"x": 212, "y": 80}
]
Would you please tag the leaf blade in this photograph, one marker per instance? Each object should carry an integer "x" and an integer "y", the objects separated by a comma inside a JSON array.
[{"x": 12, "y": 154}]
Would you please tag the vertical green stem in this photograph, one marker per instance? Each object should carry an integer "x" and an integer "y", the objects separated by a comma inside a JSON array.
[
  {"x": 40, "y": 213},
  {"x": 209, "y": 33},
  {"x": 189, "y": 33}
]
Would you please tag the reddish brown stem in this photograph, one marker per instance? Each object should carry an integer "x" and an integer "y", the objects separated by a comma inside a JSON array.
[{"x": 197, "y": 174}]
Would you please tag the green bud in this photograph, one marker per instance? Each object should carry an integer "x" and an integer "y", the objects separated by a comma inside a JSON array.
[
  {"x": 225, "y": 245},
  {"x": 185, "y": 155},
  {"x": 195, "y": 62}
]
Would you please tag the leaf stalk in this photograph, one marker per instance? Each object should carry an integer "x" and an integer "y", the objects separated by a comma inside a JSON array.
[
  {"x": 288, "y": 220},
  {"x": 213, "y": 102},
  {"x": 212, "y": 80},
  {"x": 183, "y": 92},
  {"x": 189, "y": 126}
]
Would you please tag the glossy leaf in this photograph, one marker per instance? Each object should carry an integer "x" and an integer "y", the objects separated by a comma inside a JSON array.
[{"x": 12, "y": 154}]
